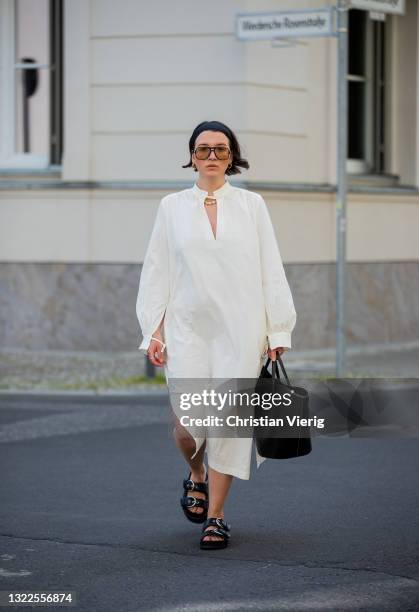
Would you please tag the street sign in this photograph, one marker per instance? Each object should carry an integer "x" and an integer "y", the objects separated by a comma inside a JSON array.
[
  {"x": 396, "y": 7},
  {"x": 375, "y": 16},
  {"x": 284, "y": 24}
]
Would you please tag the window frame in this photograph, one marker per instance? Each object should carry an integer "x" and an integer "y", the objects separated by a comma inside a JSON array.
[
  {"x": 365, "y": 165},
  {"x": 10, "y": 159},
  {"x": 377, "y": 116}
]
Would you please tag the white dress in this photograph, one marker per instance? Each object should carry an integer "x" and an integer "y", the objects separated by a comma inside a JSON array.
[{"x": 224, "y": 299}]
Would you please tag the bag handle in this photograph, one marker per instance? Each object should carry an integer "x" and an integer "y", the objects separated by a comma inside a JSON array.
[{"x": 275, "y": 361}]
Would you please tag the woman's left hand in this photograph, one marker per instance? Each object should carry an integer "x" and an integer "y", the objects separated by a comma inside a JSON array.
[{"x": 273, "y": 353}]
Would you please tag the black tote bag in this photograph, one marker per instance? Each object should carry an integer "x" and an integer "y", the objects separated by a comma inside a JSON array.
[{"x": 281, "y": 447}]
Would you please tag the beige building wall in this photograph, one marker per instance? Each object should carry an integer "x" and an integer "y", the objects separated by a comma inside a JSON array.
[
  {"x": 115, "y": 225},
  {"x": 152, "y": 75},
  {"x": 141, "y": 78},
  {"x": 138, "y": 78}
]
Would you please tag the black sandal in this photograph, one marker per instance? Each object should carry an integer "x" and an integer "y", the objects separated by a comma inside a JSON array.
[
  {"x": 188, "y": 501},
  {"x": 222, "y": 529}
]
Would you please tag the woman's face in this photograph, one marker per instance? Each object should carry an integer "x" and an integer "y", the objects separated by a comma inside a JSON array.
[{"x": 212, "y": 167}]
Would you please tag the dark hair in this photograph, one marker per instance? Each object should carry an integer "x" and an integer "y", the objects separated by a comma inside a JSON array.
[{"x": 216, "y": 126}]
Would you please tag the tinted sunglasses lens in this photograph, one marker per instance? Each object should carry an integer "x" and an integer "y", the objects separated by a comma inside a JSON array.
[
  {"x": 202, "y": 152},
  {"x": 221, "y": 152}
]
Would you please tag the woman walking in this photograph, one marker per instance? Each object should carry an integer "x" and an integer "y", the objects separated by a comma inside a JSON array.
[{"x": 213, "y": 300}]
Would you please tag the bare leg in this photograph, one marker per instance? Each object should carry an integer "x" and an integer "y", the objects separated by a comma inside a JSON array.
[
  {"x": 218, "y": 483},
  {"x": 186, "y": 444},
  {"x": 219, "y": 486}
]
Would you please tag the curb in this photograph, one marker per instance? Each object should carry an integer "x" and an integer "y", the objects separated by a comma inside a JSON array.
[
  {"x": 104, "y": 397},
  {"x": 141, "y": 396}
]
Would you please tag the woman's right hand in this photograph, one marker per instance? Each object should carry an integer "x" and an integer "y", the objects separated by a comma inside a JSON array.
[{"x": 154, "y": 353}]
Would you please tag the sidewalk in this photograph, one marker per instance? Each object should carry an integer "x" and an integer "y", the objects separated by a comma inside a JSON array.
[{"x": 124, "y": 372}]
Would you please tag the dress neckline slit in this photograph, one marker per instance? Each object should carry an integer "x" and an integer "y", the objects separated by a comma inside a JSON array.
[{"x": 212, "y": 207}]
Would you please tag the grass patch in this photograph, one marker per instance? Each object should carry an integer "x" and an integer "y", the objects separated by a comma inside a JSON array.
[
  {"x": 115, "y": 383},
  {"x": 100, "y": 384}
]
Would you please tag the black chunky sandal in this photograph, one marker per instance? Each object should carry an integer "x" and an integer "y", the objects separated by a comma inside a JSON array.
[
  {"x": 187, "y": 501},
  {"x": 222, "y": 529}
]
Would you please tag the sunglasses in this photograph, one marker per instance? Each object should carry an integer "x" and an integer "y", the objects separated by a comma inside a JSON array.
[{"x": 203, "y": 152}]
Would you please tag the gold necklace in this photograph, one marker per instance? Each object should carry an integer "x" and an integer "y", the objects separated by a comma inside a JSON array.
[{"x": 210, "y": 201}]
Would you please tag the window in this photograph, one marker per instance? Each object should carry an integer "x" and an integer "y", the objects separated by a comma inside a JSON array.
[
  {"x": 31, "y": 83},
  {"x": 366, "y": 89}
]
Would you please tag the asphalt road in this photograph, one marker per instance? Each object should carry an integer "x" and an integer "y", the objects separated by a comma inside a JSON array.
[{"x": 90, "y": 504}]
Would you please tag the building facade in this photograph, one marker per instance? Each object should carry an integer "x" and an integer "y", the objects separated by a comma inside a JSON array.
[{"x": 95, "y": 132}]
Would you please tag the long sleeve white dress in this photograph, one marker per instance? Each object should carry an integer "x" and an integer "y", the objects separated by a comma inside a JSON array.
[{"x": 224, "y": 299}]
